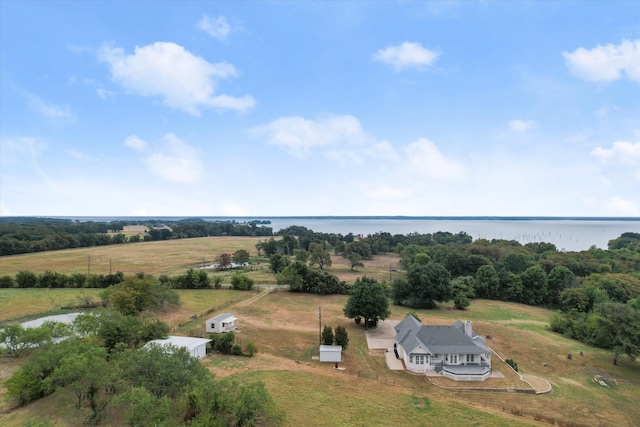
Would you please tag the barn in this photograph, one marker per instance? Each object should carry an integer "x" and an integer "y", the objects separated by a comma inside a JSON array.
[{"x": 197, "y": 347}]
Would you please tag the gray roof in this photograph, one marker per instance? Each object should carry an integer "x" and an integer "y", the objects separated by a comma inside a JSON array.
[
  {"x": 333, "y": 348},
  {"x": 222, "y": 316},
  {"x": 437, "y": 339}
]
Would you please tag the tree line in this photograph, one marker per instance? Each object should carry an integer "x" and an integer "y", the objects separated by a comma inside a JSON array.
[{"x": 27, "y": 235}]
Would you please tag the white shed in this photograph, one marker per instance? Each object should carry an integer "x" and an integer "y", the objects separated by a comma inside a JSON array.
[
  {"x": 331, "y": 353},
  {"x": 224, "y": 322},
  {"x": 197, "y": 347}
]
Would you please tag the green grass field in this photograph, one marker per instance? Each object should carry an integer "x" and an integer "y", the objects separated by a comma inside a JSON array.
[{"x": 284, "y": 326}]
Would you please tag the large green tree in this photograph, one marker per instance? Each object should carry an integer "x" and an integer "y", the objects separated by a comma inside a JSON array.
[
  {"x": 319, "y": 256},
  {"x": 487, "y": 282},
  {"x": 559, "y": 279},
  {"x": 463, "y": 292},
  {"x": 425, "y": 285},
  {"x": 534, "y": 285},
  {"x": 367, "y": 300},
  {"x": 241, "y": 256},
  {"x": 618, "y": 329}
]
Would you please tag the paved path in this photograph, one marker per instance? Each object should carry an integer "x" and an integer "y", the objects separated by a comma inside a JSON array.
[{"x": 393, "y": 363}]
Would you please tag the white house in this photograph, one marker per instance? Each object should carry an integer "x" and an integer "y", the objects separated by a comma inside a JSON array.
[
  {"x": 224, "y": 322},
  {"x": 197, "y": 347},
  {"x": 453, "y": 351},
  {"x": 331, "y": 353}
]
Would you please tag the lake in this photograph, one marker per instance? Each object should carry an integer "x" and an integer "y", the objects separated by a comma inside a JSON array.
[{"x": 569, "y": 234}]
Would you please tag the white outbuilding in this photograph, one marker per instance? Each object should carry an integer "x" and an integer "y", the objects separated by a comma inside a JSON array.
[
  {"x": 331, "y": 353},
  {"x": 197, "y": 347},
  {"x": 225, "y": 322}
]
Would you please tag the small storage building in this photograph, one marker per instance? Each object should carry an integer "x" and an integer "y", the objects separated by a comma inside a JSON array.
[
  {"x": 224, "y": 322},
  {"x": 197, "y": 347},
  {"x": 331, "y": 353}
]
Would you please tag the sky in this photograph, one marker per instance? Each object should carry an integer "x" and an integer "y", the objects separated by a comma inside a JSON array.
[{"x": 319, "y": 108}]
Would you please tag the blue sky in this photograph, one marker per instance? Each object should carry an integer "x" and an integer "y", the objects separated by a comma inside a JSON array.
[{"x": 291, "y": 108}]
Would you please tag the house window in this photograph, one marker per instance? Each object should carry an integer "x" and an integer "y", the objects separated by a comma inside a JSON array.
[
  {"x": 470, "y": 358},
  {"x": 453, "y": 358},
  {"x": 419, "y": 359},
  {"x": 411, "y": 358}
]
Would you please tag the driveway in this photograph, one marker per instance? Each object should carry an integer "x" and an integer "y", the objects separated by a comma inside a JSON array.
[{"x": 383, "y": 338}]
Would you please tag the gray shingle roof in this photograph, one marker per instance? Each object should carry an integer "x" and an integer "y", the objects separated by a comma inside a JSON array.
[{"x": 438, "y": 339}]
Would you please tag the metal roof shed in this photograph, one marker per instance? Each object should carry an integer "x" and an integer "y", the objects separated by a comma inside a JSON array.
[
  {"x": 197, "y": 347},
  {"x": 331, "y": 353}
]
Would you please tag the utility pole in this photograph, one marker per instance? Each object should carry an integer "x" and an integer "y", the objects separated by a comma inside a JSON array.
[{"x": 319, "y": 326}]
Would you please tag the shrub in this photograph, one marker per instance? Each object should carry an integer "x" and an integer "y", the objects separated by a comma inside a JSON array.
[
  {"x": 236, "y": 350},
  {"x": 26, "y": 279},
  {"x": 250, "y": 349},
  {"x": 223, "y": 343},
  {"x": 241, "y": 282},
  {"x": 327, "y": 335},
  {"x": 7, "y": 282},
  {"x": 513, "y": 364},
  {"x": 341, "y": 337},
  {"x": 217, "y": 282}
]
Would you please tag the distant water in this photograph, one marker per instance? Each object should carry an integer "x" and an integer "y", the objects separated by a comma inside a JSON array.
[{"x": 569, "y": 234}]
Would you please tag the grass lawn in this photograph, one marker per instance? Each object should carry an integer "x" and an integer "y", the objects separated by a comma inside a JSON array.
[
  {"x": 335, "y": 400},
  {"x": 25, "y": 303}
]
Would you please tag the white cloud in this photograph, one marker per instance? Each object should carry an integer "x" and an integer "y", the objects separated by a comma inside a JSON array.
[
  {"x": 135, "y": 143},
  {"x": 619, "y": 206},
  {"x": 341, "y": 137},
  {"x": 176, "y": 161},
  {"x": 622, "y": 152},
  {"x": 49, "y": 110},
  {"x": 21, "y": 150},
  {"x": 406, "y": 55},
  {"x": 606, "y": 63},
  {"x": 217, "y": 28},
  {"x": 167, "y": 70},
  {"x": 105, "y": 94},
  {"x": 78, "y": 155},
  {"x": 522, "y": 125},
  {"x": 424, "y": 159}
]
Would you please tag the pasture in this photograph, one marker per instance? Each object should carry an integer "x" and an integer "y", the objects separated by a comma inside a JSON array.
[
  {"x": 174, "y": 257},
  {"x": 285, "y": 329}
]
